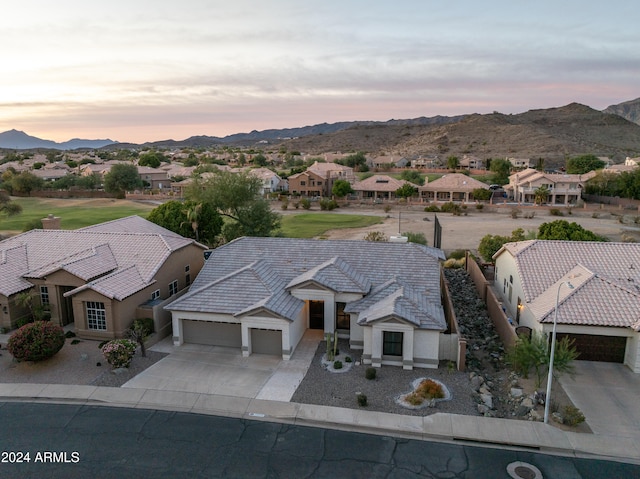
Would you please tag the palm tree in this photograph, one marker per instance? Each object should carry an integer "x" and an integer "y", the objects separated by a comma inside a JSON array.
[
  {"x": 541, "y": 194},
  {"x": 193, "y": 217}
]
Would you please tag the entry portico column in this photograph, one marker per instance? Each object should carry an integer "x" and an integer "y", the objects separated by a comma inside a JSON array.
[{"x": 246, "y": 340}]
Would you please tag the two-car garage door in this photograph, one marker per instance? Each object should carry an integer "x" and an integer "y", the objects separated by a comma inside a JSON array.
[
  {"x": 212, "y": 333},
  {"x": 263, "y": 341},
  {"x": 598, "y": 348}
]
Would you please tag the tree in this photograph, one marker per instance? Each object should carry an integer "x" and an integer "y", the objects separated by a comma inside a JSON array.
[
  {"x": 259, "y": 160},
  {"x": 563, "y": 230},
  {"x": 238, "y": 197},
  {"x": 341, "y": 188},
  {"x": 8, "y": 207},
  {"x": 26, "y": 182},
  {"x": 453, "y": 162},
  {"x": 412, "y": 176},
  {"x": 500, "y": 169},
  {"x": 406, "y": 191},
  {"x": 482, "y": 194},
  {"x": 418, "y": 238},
  {"x": 357, "y": 161},
  {"x": 541, "y": 194},
  {"x": 122, "y": 177},
  {"x": 193, "y": 217},
  {"x": 490, "y": 244},
  {"x": 173, "y": 216},
  {"x": 579, "y": 165},
  {"x": 152, "y": 159}
]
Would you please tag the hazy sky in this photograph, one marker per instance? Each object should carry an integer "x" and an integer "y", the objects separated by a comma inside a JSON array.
[{"x": 146, "y": 70}]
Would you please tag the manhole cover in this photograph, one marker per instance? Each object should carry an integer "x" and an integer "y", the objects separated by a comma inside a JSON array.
[{"x": 523, "y": 470}]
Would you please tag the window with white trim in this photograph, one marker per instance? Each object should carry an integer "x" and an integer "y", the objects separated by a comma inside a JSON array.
[
  {"x": 44, "y": 295},
  {"x": 392, "y": 343},
  {"x": 173, "y": 287},
  {"x": 96, "y": 316},
  {"x": 155, "y": 294}
]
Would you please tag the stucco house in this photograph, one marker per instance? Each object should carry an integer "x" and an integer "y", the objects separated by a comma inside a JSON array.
[
  {"x": 564, "y": 189},
  {"x": 451, "y": 187},
  {"x": 100, "y": 278},
  {"x": 602, "y": 311},
  {"x": 260, "y": 295},
  {"x": 377, "y": 187}
]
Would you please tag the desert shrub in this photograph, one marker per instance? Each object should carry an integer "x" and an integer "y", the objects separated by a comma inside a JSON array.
[
  {"x": 595, "y": 215},
  {"x": 36, "y": 341},
  {"x": 572, "y": 416},
  {"x": 555, "y": 212},
  {"x": 454, "y": 263},
  {"x": 326, "y": 204},
  {"x": 144, "y": 324},
  {"x": 305, "y": 203},
  {"x": 432, "y": 209},
  {"x": 23, "y": 321},
  {"x": 362, "y": 400},
  {"x": 347, "y": 359},
  {"x": 451, "y": 207},
  {"x": 119, "y": 352},
  {"x": 387, "y": 208},
  {"x": 418, "y": 238},
  {"x": 75, "y": 341},
  {"x": 413, "y": 399},
  {"x": 69, "y": 334},
  {"x": 515, "y": 213},
  {"x": 375, "y": 236},
  {"x": 479, "y": 206},
  {"x": 337, "y": 365},
  {"x": 285, "y": 204},
  {"x": 457, "y": 254},
  {"x": 429, "y": 389},
  {"x": 370, "y": 373}
]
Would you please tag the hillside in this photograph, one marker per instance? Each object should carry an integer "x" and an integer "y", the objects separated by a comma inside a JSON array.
[
  {"x": 551, "y": 133},
  {"x": 629, "y": 110}
]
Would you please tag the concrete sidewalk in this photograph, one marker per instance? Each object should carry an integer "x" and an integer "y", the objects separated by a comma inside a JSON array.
[{"x": 441, "y": 427}]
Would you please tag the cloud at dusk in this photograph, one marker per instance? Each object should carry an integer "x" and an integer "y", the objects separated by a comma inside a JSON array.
[{"x": 145, "y": 71}]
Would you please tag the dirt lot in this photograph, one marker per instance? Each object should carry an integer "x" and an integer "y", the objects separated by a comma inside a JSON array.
[{"x": 465, "y": 232}]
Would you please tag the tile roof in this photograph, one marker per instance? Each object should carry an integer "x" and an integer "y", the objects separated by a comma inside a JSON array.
[
  {"x": 454, "y": 181},
  {"x": 252, "y": 273},
  {"x": 606, "y": 277},
  {"x": 90, "y": 253},
  {"x": 380, "y": 183}
]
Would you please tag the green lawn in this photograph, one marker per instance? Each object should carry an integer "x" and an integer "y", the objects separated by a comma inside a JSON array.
[
  {"x": 309, "y": 225},
  {"x": 74, "y": 213}
]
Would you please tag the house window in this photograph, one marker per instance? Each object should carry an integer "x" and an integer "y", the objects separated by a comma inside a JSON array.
[
  {"x": 319, "y": 183},
  {"x": 187, "y": 268},
  {"x": 173, "y": 287},
  {"x": 342, "y": 318},
  {"x": 155, "y": 294},
  {"x": 44, "y": 295},
  {"x": 303, "y": 183},
  {"x": 392, "y": 343},
  {"x": 187, "y": 279},
  {"x": 96, "y": 316}
]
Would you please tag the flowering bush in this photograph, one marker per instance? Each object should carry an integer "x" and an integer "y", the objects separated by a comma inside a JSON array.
[
  {"x": 119, "y": 352},
  {"x": 36, "y": 341}
]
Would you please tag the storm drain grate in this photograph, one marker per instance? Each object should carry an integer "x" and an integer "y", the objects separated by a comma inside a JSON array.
[{"x": 523, "y": 470}]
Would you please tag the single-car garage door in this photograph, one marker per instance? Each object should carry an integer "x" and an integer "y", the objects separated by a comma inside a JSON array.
[
  {"x": 212, "y": 333},
  {"x": 608, "y": 349},
  {"x": 264, "y": 341}
]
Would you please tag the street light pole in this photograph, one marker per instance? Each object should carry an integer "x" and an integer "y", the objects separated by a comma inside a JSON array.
[{"x": 547, "y": 399}]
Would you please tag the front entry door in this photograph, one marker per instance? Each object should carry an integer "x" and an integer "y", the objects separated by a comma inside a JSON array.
[
  {"x": 316, "y": 314},
  {"x": 66, "y": 306}
]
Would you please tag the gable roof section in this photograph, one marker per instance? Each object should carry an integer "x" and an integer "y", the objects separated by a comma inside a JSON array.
[
  {"x": 397, "y": 299},
  {"x": 250, "y": 273},
  {"x": 89, "y": 253},
  {"x": 335, "y": 274},
  {"x": 454, "y": 182},
  {"x": 606, "y": 277},
  {"x": 380, "y": 183}
]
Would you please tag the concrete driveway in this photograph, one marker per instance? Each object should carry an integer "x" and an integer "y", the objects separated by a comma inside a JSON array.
[
  {"x": 223, "y": 371},
  {"x": 607, "y": 394}
]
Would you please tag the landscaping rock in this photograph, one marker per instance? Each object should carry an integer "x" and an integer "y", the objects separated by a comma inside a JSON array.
[
  {"x": 476, "y": 382},
  {"x": 557, "y": 417},
  {"x": 516, "y": 392},
  {"x": 487, "y": 399},
  {"x": 528, "y": 403}
]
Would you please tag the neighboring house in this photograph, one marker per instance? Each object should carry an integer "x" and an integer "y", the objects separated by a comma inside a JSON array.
[
  {"x": 451, "y": 187},
  {"x": 271, "y": 182},
  {"x": 428, "y": 162},
  {"x": 632, "y": 161},
  {"x": 260, "y": 295},
  {"x": 154, "y": 178},
  {"x": 385, "y": 162},
  {"x": 520, "y": 163},
  {"x": 564, "y": 189},
  {"x": 98, "y": 278},
  {"x": 51, "y": 174},
  {"x": 318, "y": 179},
  {"x": 470, "y": 162},
  {"x": 378, "y": 187},
  {"x": 601, "y": 313}
]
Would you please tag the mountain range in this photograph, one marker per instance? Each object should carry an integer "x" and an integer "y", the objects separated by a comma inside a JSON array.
[{"x": 552, "y": 133}]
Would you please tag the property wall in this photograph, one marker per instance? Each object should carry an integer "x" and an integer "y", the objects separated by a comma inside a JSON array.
[
  {"x": 632, "y": 353},
  {"x": 426, "y": 348}
]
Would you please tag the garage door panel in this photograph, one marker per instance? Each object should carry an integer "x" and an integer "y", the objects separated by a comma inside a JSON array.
[
  {"x": 212, "y": 333},
  {"x": 266, "y": 342},
  {"x": 591, "y": 347}
]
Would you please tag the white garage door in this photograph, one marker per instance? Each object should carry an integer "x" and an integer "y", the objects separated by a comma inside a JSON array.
[
  {"x": 265, "y": 341},
  {"x": 211, "y": 333}
]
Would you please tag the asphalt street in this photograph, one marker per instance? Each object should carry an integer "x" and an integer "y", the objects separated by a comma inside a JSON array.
[{"x": 79, "y": 441}]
